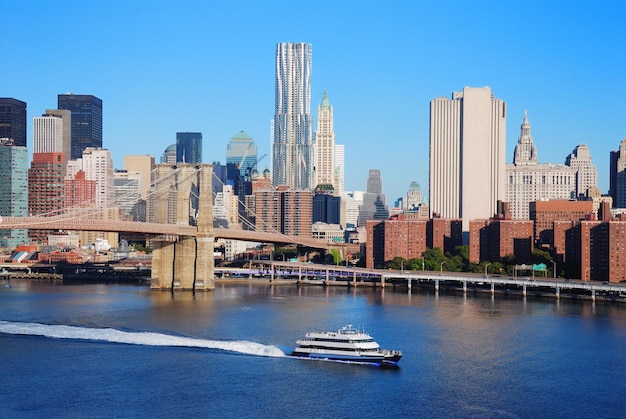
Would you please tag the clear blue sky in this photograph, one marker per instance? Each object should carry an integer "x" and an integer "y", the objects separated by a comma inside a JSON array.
[{"x": 167, "y": 66}]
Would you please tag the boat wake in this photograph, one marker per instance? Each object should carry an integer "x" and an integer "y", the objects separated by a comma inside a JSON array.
[{"x": 136, "y": 338}]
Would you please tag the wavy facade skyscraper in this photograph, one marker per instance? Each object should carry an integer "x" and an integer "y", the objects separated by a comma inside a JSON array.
[{"x": 292, "y": 147}]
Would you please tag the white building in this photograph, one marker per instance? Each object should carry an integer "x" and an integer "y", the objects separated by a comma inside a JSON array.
[
  {"x": 66, "y": 116},
  {"x": 353, "y": 202},
  {"x": 48, "y": 134},
  {"x": 127, "y": 187},
  {"x": 225, "y": 207},
  {"x": 413, "y": 196},
  {"x": 528, "y": 181},
  {"x": 98, "y": 166},
  {"x": 586, "y": 177},
  {"x": 292, "y": 145},
  {"x": 340, "y": 170},
  {"x": 325, "y": 145},
  {"x": 467, "y": 155}
]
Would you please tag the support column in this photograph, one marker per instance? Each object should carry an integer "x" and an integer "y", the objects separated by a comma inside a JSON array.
[
  {"x": 558, "y": 292},
  {"x": 409, "y": 282},
  {"x": 465, "y": 287},
  {"x": 436, "y": 285},
  {"x": 493, "y": 288},
  {"x": 524, "y": 290}
]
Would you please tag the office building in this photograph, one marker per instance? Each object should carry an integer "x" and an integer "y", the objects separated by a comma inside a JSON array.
[
  {"x": 413, "y": 196},
  {"x": 374, "y": 205},
  {"x": 241, "y": 152},
  {"x": 586, "y": 174},
  {"x": 86, "y": 121},
  {"x": 189, "y": 147},
  {"x": 325, "y": 145},
  {"x": 144, "y": 165},
  {"x": 292, "y": 147},
  {"x": 467, "y": 155},
  {"x": 169, "y": 155},
  {"x": 80, "y": 192},
  {"x": 528, "y": 181},
  {"x": 618, "y": 176},
  {"x": 13, "y": 120},
  {"x": 98, "y": 166},
  {"x": 127, "y": 192},
  {"x": 13, "y": 190},
  {"x": 339, "y": 174},
  {"x": 63, "y": 145}
]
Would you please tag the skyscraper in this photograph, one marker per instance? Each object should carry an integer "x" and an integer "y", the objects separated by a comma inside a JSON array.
[
  {"x": 98, "y": 166},
  {"x": 618, "y": 176},
  {"x": 325, "y": 145},
  {"x": 292, "y": 148},
  {"x": 86, "y": 121},
  {"x": 374, "y": 205},
  {"x": 586, "y": 175},
  {"x": 528, "y": 181},
  {"x": 242, "y": 152},
  {"x": 13, "y": 190},
  {"x": 49, "y": 134},
  {"x": 13, "y": 120},
  {"x": 67, "y": 129},
  {"x": 189, "y": 147},
  {"x": 339, "y": 168},
  {"x": 467, "y": 155}
]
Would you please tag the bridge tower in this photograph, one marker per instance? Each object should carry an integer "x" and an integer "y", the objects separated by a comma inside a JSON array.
[{"x": 183, "y": 195}]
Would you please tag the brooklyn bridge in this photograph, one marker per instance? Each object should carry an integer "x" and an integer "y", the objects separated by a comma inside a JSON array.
[{"x": 181, "y": 228}]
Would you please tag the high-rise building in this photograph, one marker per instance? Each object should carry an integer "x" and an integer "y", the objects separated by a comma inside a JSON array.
[
  {"x": 98, "y": 166},
  {"x": 340, "y": 170},
  {"x": 413, "y": 196},
  {"x": 241, "y": 151},
  {"x": 48, "y": 134},
  {"x": 13, "y": 120},
  {"x": 325, "y": 145},
  {"x": 374, "y": 205},
  {"x": 284, "y": 211},
  {"x": 528, "y": 181},
  {"x": 13, "y": 190},
  {"x": 127, "y": 190},
  {"x": 618, "y": 176},
  {"x": 586, "y": 175},
  {"x": 86, "y": 121},
  {"x": 66, "y": 141},
  {"x": 467, "y": 155},
  {"x": 46, "y": 189},
  {"x": 292, "y": 147},
  {"x": 145, "y": 166},
  {"x": 80, "y": 192},
  {"x": 169, "y": 155},
  {"x": 189, "y": 147}
]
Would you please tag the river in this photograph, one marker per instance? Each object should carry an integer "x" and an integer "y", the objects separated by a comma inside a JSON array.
[{"x": 125, "y": 351}]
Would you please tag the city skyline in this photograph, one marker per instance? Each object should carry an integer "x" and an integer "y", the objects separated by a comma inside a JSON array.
[{"x": 565, "y": 72}]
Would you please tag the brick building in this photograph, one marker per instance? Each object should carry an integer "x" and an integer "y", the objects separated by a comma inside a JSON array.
[
  {"x": 444, "y": 233},
  {"x": 285, "y": 211},
  {"x": 545, "y": 213},
  {"x": 493, "y": 239},
  {"x": 46, "y": 188},
  {"x": 387, "y": 239}
]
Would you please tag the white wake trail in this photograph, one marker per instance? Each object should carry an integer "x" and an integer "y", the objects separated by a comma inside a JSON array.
[{"x": 136, "y": 338}]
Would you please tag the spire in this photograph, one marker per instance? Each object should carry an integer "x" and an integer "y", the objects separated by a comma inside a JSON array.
[
  {"x": 525, "y": 151},
  {"x": 325, "y": 102}
]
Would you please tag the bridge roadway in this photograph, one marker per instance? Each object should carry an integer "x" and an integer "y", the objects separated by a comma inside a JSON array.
[
  {"x": 70, "y": 222},
  {"x": 327, "y": 274}
]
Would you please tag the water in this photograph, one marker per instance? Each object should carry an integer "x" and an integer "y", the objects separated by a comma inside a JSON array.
[{"x": 125, "y": 351}]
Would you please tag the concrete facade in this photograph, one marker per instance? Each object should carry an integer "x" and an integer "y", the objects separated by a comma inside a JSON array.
[{"x": 467, "y": 155}]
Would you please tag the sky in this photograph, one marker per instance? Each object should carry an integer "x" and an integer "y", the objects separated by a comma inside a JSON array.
[{"x": 162, "y": 67}]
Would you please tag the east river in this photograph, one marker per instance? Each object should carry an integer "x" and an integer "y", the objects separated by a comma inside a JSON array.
[{"x": 103, "y": 351}]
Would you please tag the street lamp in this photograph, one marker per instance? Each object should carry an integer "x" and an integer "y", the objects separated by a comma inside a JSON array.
[
  {"x": 486, "y": 269},
  {"x": 441, "y": 268},
  {"x": 553, "y": 269}
]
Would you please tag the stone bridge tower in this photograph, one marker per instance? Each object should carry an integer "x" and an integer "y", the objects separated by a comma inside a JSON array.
[{"x": 183, "y": 195}]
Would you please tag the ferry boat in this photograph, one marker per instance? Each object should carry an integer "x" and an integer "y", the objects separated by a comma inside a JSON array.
[{"x": 347, "y": 344}]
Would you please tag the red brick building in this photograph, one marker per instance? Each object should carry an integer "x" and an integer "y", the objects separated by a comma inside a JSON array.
[
  {"x": 284, "y": 211},
  {"x": 545, "y": 213},
  {"x": 46, "y": 188},
  {"x": 445, "y": 234},
  {"x": 493, "y": 239},
  {"x": 387, "y": 239},
  {"x": 80, "y": 192}
]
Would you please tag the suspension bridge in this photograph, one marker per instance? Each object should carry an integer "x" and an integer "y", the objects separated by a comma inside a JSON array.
[{"x": 180, "y": 227}]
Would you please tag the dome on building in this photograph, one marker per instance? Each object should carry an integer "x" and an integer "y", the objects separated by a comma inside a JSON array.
[{"x": 171, "y": 148}]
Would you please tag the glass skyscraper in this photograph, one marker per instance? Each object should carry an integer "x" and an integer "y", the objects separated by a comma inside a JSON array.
[
  {"x": 13, "y": 120},
  {"x": 13, "y": 191},
  {"x": 188, "y": 147},
  {"x": 292, "y": 148},
  {"x": 86, "y": 121},
  {"x": 242, "y": 152}
]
